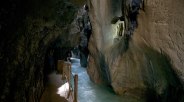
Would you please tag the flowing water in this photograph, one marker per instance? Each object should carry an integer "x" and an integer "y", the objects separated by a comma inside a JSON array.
[
  {"x": 90, "y": 92},
  {"x": 87, "y": 91}
]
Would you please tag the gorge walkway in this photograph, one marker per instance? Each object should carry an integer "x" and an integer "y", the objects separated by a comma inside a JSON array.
[{"x": 87, "y": 90}]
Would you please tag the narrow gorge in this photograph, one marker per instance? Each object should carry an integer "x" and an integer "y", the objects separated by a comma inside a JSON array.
[{"x": 135, "y": 48}]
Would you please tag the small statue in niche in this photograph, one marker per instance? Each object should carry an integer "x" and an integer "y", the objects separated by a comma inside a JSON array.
[{"x": 120, "y": 29}]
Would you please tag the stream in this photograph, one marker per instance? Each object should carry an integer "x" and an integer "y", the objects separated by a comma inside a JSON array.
[
  {"x": 91, "y": 92},
  {"x": 88, "y": 91}
]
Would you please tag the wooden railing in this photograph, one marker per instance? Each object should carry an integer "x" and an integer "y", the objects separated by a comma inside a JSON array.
[{"x": 64, "y": 68}]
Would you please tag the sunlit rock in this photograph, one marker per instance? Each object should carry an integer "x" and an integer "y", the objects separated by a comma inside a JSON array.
[{"x": 147, "y": 61}]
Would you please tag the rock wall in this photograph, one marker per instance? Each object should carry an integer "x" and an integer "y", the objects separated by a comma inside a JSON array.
[
  {"x": 161, "y": 27},
  {"x": 147, "y": 61},
  {"x": 85, "y": 31},
  {"x": 28, "y": 31},
  {"x": 101, "y": 38}
]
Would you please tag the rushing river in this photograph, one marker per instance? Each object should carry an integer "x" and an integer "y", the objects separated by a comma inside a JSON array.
[
  {"x": 87, "y": 90},
  {"x": 90, "y": 92}
]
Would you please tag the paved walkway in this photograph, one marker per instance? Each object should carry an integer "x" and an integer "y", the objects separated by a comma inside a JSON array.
[{"x": 51, "y": 92}]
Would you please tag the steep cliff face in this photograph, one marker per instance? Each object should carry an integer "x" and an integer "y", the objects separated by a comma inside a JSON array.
[
  {"x": 101, "y": 38},
  {"x": 29, "y": 30},
  {"x": 147, "y": 59},
  {"x": 161, "y": 27}
]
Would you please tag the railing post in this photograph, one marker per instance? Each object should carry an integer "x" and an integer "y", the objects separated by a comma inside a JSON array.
[
  {"x": 69, "y": 79},
  {"x": 69, "y": 74},
  {"x": 75, "y": 88}
]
